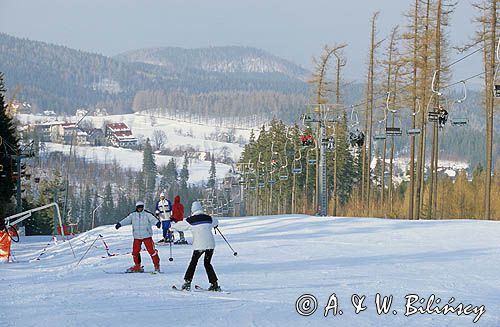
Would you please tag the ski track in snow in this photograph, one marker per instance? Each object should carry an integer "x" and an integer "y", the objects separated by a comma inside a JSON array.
[{"x": 279, "y": 259}]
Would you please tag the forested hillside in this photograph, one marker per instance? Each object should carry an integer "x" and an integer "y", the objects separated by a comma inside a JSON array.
[
  {"x": 244, "y": 85},
  {"x": 217, "y": 59},
  {"x": 58, "y": 78}
]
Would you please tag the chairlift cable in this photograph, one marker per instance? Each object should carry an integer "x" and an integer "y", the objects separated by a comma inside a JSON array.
[
  {"x": 463, "y": 80},
  {"x": 463, "y": 58}
]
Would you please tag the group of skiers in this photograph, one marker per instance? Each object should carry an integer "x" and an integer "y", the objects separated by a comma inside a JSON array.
[
  {"x": 171, "y": 217},
  {"x": 167, "y": 214}
]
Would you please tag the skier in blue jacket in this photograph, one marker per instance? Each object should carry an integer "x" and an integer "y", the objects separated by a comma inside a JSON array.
[{"x": 163, "y": 210}]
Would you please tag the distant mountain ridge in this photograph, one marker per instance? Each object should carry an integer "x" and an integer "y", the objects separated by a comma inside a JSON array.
[
  {"x": 228, "y": 59},
  {"x": 58, "y": 78}
]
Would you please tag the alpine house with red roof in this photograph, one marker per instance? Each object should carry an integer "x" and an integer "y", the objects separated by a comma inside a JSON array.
[{"x": 120, "y": 135}]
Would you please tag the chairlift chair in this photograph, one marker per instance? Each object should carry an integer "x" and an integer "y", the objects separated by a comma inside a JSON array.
[
  {"x": 497, "y": 90},
  {"x": 310, "y": 161},
  {"x": 413, "y": 131},
  {"x": 283, "y": 173},
  {"x": 307, "y": 120},
  {"x": 380, "y": 133},
  {"x": 459, "y": 121},
  {"x": 283, "y": 177},
  {"x": 297, "y": 163},
  {"x": 393, "y": 131},
  {"x": 433, "y": 117},
  {"x": 379, "y": 136}
]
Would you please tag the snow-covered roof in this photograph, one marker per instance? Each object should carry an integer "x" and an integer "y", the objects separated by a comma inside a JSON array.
[
  {"x": 116, "y": 127},
  {"x": 126, "y": 138},
  {"x": 68, "y": 125},
  {"x": 48, "y": 124},
  {"x": 122, "y": 133}
]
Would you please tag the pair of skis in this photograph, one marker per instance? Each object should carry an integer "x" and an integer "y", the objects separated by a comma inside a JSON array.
[
  {"x": 198, "y": 288},
  {"x": 134, "y": 272}
]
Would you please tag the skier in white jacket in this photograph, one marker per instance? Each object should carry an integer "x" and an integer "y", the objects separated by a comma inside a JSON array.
[
  {"x": 201, "y": 226},
  {"x": 141, "y": 221}
]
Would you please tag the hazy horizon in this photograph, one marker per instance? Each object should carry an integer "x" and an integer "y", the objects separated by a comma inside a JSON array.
[{"x": 296, "y": 31}]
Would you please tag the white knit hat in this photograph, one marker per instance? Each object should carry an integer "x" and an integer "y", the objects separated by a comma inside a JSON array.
[
  {"x": 162, "y": 194},
  {"x": 139, "y": 204},
  {"x": 196, "y": 208}
]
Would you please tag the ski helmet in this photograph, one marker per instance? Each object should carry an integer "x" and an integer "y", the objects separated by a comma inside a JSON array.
[
  {"x": 139, "y": 204},
  {"x": 162, "y": 194}
]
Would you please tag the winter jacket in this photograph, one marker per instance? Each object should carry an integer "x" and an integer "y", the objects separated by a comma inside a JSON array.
[
  {"x": 141, "y": 223},
  {"x": 177, "y": 210},
  {"x": 162, "y": 208},
  {"x": 201, "y": 226}
]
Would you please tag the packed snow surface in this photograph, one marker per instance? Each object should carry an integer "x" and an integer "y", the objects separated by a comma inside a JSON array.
[{"x": 279, "y": 259}]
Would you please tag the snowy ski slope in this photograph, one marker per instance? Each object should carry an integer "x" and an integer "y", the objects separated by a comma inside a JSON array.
[{"x": 279, "y": 259}]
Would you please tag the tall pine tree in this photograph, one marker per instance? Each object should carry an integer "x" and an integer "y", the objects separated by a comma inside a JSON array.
[
  {"x": 212, "y": 174},
  {"x": 8, "y": 148},
  {"x": 149, "y": 170},
  {"x": 184, "y": 174}
]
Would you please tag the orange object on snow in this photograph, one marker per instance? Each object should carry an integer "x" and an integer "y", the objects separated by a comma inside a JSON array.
[
  {"x": 4, "y": 246},
  {"x": 65, "y": 229}
]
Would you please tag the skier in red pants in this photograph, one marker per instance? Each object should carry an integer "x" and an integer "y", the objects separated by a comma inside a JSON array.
[{"x": 141, "y": 221}]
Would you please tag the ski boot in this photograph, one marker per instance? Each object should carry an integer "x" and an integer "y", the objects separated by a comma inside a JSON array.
[
  {"x": 157, "y": 268},
  {"x": 161, "y": 241},
  {"x": 135, "y": 269},
  {"x": 187, "y": 285},
  {"x": 181, "y": 242},
  {"x": 214, "y": 287}
]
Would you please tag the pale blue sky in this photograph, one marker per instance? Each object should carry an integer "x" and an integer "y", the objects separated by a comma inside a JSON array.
[{"x": 293, "y": 29}]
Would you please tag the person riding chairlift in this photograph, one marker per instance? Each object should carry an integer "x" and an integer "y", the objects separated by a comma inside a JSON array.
[
  {"x": 443, "y": 117},
  {"x": 307, "y": 140},
  {"x": 357, "y": 138}
]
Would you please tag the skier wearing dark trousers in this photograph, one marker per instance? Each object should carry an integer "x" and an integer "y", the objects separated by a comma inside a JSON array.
[
  {"x": 141, "y": 221},
  {"x": 163, "y": 208},
  {"x": 201, "y": 226},
  {"x": 178, "y": 215}
]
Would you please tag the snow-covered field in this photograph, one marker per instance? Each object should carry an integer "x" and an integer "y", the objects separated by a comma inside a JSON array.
[
  {"x": 280, "y": 258},
  {"x": 178, "y": 134},
  {"x": 127, "y": 158}
]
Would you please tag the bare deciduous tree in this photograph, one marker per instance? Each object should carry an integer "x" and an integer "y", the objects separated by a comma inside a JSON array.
[{"x": 159, "y": 139}]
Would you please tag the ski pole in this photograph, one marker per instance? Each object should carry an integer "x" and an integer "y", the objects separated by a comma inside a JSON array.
[
  {"x": 106, "y": 247},
  {"x": 88, "y": 249},
  {"x": 170, "y": 259},
  {"x": 170, "y": 244},
  {"x": 42, "y": 253},
  {"x": 234, "y": 252}
]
